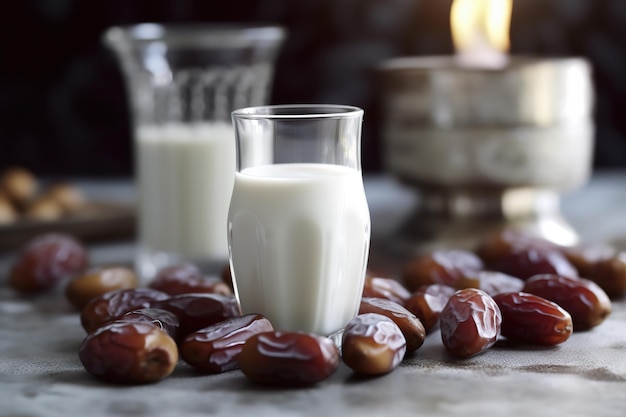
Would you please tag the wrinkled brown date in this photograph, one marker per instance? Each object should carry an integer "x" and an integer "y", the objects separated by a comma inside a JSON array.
[
  {"x": 288, "y": 358},
  {"x": 372, "y": 344},
  {"x": 129, "y": 353},
  {"x": 583, "y": 299},
  {"x": 584, "y": 257},
  {"x": 601, "y": 264},
  {"x": 610, "y": 274},
  {"x": 522, "y": 255},
  {"x": 196, "y": 311},
  {"x": 500, "y": 244},
  {"x": 97, "y": 281},
  {"x": 111, "y": 305},
  {"x": 162, "y": 319},
  {"x": 216, "y": 348},
  {"x": 45, "y": 261},
  {"x": 411, "y": 327},
  {"x": 526, "y": 263},
  {"x": 528, "y": 318},
  {"x": 428, "y": 302},
  {"x": 445, "y": 267},
  {"x": 385, "y": 288},
  {"x": 492, "y": 282},
  {"x": 187, "y": 278},
  {"x": 470, "y": 323}
]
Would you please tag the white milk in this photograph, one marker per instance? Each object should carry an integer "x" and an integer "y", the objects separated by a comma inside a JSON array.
[
  {"x": 299, "y": 236},
  {"x": 185, "y": 179}
]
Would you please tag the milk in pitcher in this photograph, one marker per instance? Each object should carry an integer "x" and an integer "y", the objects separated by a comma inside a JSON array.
[{"x": 185, "y": 175}]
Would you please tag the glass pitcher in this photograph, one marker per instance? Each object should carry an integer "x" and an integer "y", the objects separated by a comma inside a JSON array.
[{"x": 183, "y": 81}]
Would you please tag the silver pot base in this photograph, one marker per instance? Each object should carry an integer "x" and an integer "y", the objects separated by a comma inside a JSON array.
[{"x": 462, "y": 220}]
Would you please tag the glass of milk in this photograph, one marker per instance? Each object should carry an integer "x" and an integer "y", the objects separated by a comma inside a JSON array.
[
  {"x": 299, "y": 223},
  {"x": 183, "y": 82}
]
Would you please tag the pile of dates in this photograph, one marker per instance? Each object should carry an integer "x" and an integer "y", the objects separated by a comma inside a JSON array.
[{"x": 512, "y": 286}]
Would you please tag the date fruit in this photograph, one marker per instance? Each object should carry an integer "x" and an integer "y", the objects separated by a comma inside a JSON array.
[
  {"x": 372, "y": 344},
  {"x": 111, "y": 305},
  {"x": 187, "y": 278},
  {"x": 129, "y": 353},
  {"x": 216, "y": 348},
  {"x": 197, "y": 311},
  {"x": 500, "y": 244},
  {"x": 493, "y": 282},
  {"x": 411, "y": 327},
  {"x": 227, "y": 276},
  {"x": 288, "y": 358},
  {"x": 47, "y": 260},
  {"x": 445, "y": 267},
  {"x": 585, "y": 257},
  {"x": 385, "y": 288},
  {"x": 583, "y": 299},
  {"x": 470, "y": 323},
  {"x": 603, "y": 265},
  {"x": 526, "y": 263},
  {"x": 530, "y": 319},
  {"x": 97, "y": 281},
  {"x": 162, "y": 319},
  {"x": 610, "y": 274},
  {"x": 428, "y": 302}
]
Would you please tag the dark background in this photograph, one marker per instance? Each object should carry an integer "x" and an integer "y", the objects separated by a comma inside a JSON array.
[{"x": 62, "y": 104}]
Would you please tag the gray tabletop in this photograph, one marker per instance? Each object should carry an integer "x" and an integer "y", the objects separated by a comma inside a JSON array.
[{"x": 40, "y": 374}]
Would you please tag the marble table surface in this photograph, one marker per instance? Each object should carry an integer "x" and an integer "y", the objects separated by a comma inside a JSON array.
[{"x": 41, "y": 376}]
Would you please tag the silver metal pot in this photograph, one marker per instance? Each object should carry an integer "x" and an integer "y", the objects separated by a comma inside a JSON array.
[{"x": 487, "y": 148}]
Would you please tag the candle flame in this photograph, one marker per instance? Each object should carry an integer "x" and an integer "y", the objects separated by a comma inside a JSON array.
[{"x": 480, "y": 31}]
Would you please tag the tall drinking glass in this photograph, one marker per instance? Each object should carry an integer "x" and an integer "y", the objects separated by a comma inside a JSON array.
[
  {"x": 299, "y": 223},
  {"x": 183, "y": 82}
]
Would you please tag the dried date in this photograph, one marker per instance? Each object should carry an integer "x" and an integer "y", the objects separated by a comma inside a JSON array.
[
  {"x": 528, "y": 318},
  {"x": 216, "y": 348},
  {"x": 492, "y": 282},
  {"x": 129, "y": 353},
  {"x": 187, "y": 278},
  {"x": 428, "y": 302},
  {"x": 585, "y": 257},
  {"x": 385, "y": 288},
  {"x": 583, "y": 299},
  {"x": 97, "y": 281},
  {"x": 227, "y": 276},
  {"x": 470, "y": 323},
  {"x": 411, "y": 327},
  {"x": 610, "y": 274},
  {"x": 110, "y": 306},
  {"x": 288, "y": 358},
  {"x": 162, "y": 319},
  {"x": 446, "y": 267},
  {"x": 197, "y": 311},
  {"x": 372, "y": 344},
  {"x": 500, "y": 244},
  {"x": 526, "y": 263},
  {"x": 45, "y": 261}
]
